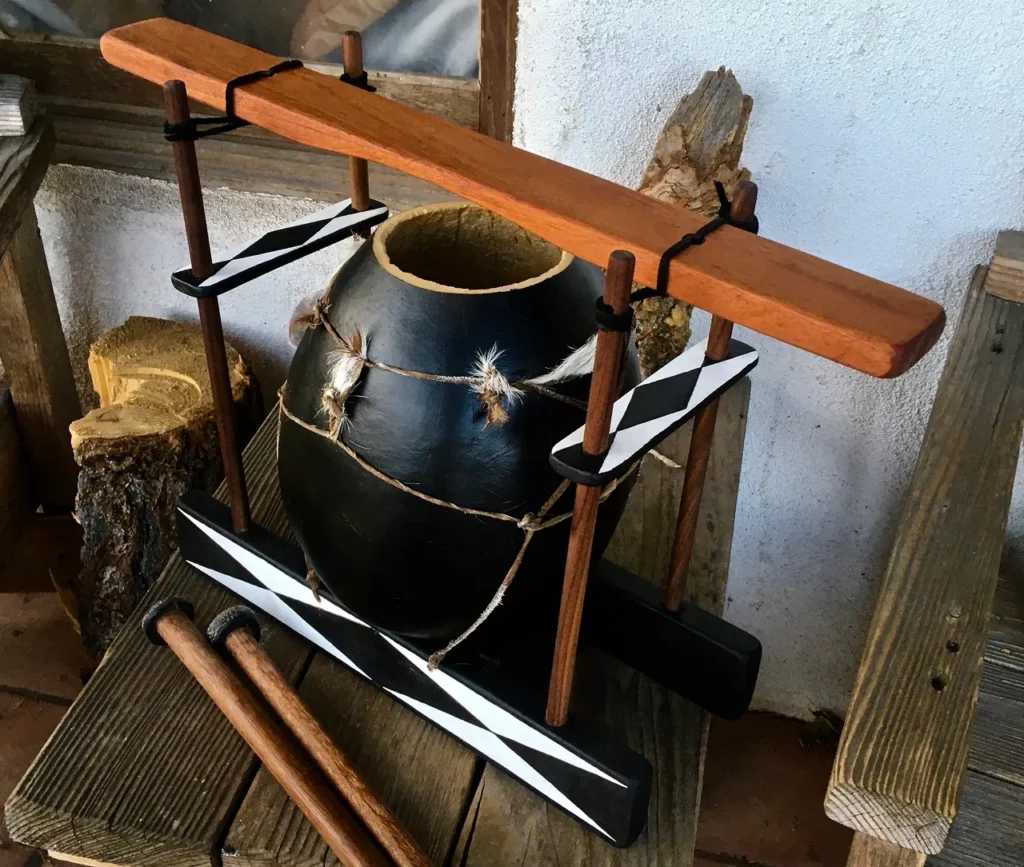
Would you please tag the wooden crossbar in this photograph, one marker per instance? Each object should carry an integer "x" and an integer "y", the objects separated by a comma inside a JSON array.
[{"x": 795, "y": 297}]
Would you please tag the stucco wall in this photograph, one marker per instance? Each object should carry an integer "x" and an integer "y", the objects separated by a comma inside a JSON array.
[
  {"x": 112, "y": 241},
  {"x": 887, "y": 136}
]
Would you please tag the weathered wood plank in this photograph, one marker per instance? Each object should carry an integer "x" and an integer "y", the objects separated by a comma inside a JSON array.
[
  {"x": 36, "y": 362},
  {"x": 423, "y": 775},
  {"x": 126, "y": 139},
  {"x": 507, "y": 824},
  {"x": 499, "y": 27},
  {"x": 784, "y": 293},
  {"x": 23, "y": 164},
  {"x": 73, "y": 69},
  {"x": 868, "y": 851},
  {"x": 16, "y": 504},
  {"x": 899, "y": 771},
  {"x": 989, "y": 829},
  {"x": 144, "y": 770},
  {"x": 1006, "y": 274}
]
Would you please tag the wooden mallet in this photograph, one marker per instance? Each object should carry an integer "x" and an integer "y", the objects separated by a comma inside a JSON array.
[
  {"x": 170, "y": 622},
  {"x": 237, "y": 631},
  {"x": 604, "y": 384}
]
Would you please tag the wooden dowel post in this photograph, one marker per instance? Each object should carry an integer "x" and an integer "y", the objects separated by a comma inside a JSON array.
[
  {"x": 743, "y": 204},
  {"x": 358, "y": 169},
  {"x": 603, "y": 391},
  {"x": 280, "y": 755},
  {"x": 244, "y": 647},
  {"x": 187, "y": 170}
]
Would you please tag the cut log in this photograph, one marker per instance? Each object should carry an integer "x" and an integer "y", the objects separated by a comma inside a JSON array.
[
  {"x": 900, "y": 768},
  {"x": 152, "y": 438},
  {"x": 700, "y": 143}
]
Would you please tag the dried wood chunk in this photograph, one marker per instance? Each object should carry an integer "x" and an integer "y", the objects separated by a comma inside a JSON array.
[{"x": 152, "y": 438}]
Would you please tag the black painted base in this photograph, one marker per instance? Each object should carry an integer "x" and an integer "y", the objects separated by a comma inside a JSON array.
[{"x": 499, "y": 714}]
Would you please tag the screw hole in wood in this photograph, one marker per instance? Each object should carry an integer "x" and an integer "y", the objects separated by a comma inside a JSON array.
[
  {"x": 953, "y": 646},
  {"x": 939, "y": 682}
]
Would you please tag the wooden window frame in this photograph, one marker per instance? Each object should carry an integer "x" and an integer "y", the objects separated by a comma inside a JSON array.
[{"x": 105, "y": 118}]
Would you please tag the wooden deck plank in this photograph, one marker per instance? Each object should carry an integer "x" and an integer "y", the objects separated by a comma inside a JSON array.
[
  {"x": 793, "y": 296},
  {"x": 902, "y": 757},
  {"x": 507, "y": 824},
  {"x": 144, "y": 770},
  {"x": 989, "y": 829},
  {"x": 423, "y": 775}
]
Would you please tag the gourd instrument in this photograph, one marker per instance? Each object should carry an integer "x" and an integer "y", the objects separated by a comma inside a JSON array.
[{"x": 736, "y": 275}]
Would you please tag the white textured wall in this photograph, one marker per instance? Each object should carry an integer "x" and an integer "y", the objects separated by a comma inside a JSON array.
[
  {"x": 112, "y": 241},
  {"x": 887, "y": 135}
]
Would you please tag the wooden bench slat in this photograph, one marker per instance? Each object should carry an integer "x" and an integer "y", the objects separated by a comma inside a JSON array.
[
  {"x": 144, "y": 770},
  {"x": 508, "y": 824},
  {"x": 899, "y": 771},
  {"x": 793, "y": 296},
  {"x": 424, "y": 776}
]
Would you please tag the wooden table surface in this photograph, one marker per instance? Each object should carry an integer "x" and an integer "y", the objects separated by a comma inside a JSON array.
[{"x": 144, "y": 771}]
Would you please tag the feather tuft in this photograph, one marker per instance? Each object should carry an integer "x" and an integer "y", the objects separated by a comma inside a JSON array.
[
  {"x": 578, "y": 363},
  {"x": 493, "y": 387}
]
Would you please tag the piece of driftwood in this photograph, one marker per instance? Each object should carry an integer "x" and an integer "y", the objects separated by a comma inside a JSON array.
[
  {"x": 507, "y": 824},
  {"x": 32, "y": 346},
  {"x": 793, "y": 296},
  {"x": 144, "y": 770},
  {"x": 701, "y": 143},
  {"x": 152, "y": 438},
  {"x": 900, "y": 768},
  {"x": 17, "y": 105},
  {"x": 15, "y": 485}
]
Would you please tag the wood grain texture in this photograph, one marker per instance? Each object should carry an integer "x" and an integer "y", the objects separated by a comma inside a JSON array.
[
  {"x": 65, "y": 70},
  {"x": 245, "y": 649},
  {"x": 868, "y": 851},
  {"x": 989, "y": 829},
  {"x": 499, "y": 27},
  {"x": 126, "y": 139},
  {"x": 604, "y": 389},
  {"x": 507, "y": 824},
  {"x": 795, "y": 297},
  {"x": 37, "y": 365},
  {"x": 144, "y": 770},
  {"x": 1006, "y": 273},
  {"x": 23, "y": 164},
  {"x": 16, "y": 506},
  {"x": 424, "y": 776},
  {"x": 277, "y": 750},
  {"x": 900, "y": 766}
]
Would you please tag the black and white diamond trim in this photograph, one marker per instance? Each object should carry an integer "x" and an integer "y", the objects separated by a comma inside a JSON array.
[
  {"x": 279, "y": 247},
  {"x": 608, "y": 795},
  {"x": 643, "y": 417}
]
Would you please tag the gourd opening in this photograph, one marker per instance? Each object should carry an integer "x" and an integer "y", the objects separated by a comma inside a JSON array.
[{"x": 459, "y": 247}]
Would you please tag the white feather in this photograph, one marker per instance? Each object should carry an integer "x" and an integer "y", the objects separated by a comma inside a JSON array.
[
  {"x": 490, "y": 379},
  {"x": 578, "y": 363}
]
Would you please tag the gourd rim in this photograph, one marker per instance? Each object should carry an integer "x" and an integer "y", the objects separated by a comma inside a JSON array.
[{"x": 562, "y": 259}]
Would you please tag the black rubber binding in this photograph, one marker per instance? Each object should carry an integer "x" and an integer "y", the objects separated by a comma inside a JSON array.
[
  {"x": 236, "y": 617},
  {"x": 171, "y": 603}
]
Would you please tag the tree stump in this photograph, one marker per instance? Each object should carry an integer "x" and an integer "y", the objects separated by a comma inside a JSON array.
[
  {"x": 700, "y": 143},
  {"x": 152, "y": 438}
]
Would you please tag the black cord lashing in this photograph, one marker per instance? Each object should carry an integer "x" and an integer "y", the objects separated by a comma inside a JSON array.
[
  {"x": 695, "y": 239},
  {"x": 609, "y": 320},
  {"x": 362, "y": 81},
  {"x": 191, "y": 129}
]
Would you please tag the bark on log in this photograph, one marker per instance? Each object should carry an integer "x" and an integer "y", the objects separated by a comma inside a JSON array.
[
  {"x": 152, "y": 438},
  {"x": 701, "y": 143}
]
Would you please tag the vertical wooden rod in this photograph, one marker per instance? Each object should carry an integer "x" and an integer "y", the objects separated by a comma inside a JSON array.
[
  {"x": 603, "y": 387},
  {"x": 257, "y": 664},
  {"x": 282, "y": 757},
  {"x": 187, "y": 170},
  {"x": 743, "y": 204},
  {"x": 358, "y": 170}
]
